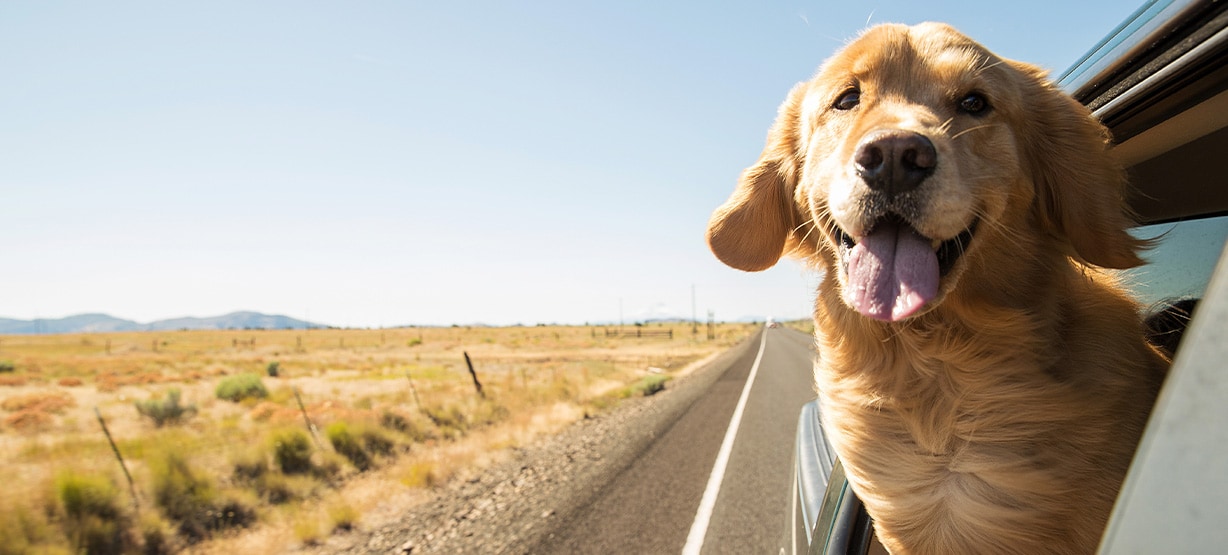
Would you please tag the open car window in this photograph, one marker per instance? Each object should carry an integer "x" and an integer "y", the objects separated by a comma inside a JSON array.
[{"x": 1182, "y": 261}]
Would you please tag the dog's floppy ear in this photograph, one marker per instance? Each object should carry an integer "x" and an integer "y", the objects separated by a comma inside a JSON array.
[
  {"x": 751, "y": 230},
  {"x": 1079, "y": 187}
]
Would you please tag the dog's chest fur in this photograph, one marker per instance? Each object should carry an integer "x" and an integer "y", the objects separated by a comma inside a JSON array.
[{"x": 973, "y": 435}]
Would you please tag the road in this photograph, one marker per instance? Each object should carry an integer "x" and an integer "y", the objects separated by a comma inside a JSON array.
[{"x": 652, "y": 506}]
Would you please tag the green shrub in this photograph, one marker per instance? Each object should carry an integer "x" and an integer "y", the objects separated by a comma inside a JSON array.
[
  {"x": 648, "y": 385},
  {"x": 406, "y": 425},
  {"x": 166, "y": 411},
  {"x": 327, "y": 466},
  {"x": 342, "y": 516},
  {"x": 6, "y": 366},
  {"x": 292, "y": 451},
  {"x": 376, "y": 441},
  {"x": 185, "y": 496},
  {"x": 191, "y": 499},
  {"x": 95, "y": 523},
  {"x": 249, "y": 466},
  {"x": 24, "y": 529},
  {"x": 251, "y": 469},
  {"x": 307, "y": 529},
  {"x": 273, "y": 369},
  {"x": 396, "y": 421},
  {"x": 422, "y": 474},
  {"x": 450, "y": 420},
  {"x": 83, "y": 495},
  {"x": 276, "y": 489},
  {"x": 350, "y": 447},
  {"x": 457, "y": 419},
  {"x": 233, "y": 512},
  {"x": 158, "y": 537},
  {"x": 93, "y": 534},
  {"x": 241, "y": 386}
]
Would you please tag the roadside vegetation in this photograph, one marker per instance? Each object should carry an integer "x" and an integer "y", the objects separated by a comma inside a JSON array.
[
  {"x": 805, "y": 326},
  {"x": 250, "y": 441}
]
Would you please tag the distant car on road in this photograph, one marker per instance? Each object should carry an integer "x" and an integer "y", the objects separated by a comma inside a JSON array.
[{"x": 1160, "y": 83}]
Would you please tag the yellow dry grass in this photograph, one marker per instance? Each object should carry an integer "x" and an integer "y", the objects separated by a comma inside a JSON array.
[{"x": 536, "y": 380}]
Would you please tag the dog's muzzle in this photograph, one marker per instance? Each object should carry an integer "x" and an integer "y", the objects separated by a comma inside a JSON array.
[
  {"x": 893, "y": 162},
  {"x": 892, "y": 271}
]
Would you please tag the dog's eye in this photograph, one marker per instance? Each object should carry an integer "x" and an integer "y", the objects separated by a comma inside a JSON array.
[
  {"x": 848, "y": 100},
  {"x": 974, "y": 103}
]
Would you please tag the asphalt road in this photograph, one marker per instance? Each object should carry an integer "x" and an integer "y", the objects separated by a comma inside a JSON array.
[{"x": 651, "y": 506}]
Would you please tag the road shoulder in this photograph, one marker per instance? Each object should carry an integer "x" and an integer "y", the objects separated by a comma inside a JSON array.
[{"x": 512, "y": 505}]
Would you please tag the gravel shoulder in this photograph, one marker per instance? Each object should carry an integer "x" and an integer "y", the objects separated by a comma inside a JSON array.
[{"x": 511, "y": 506}]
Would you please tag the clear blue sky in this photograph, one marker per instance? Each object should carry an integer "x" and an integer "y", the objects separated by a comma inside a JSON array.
[{"x": 384, "y": 163}]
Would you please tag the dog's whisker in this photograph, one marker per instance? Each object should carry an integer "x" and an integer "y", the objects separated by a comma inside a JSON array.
[
  {"x": 1017, "y": 240},
  {"x": 985, "y": 220},
  {"x": 946, "y": 126},
  {"x": 808, "y": 231},
  {"x": 970, "y": 129},
  {"x": 986, "y": 65}
]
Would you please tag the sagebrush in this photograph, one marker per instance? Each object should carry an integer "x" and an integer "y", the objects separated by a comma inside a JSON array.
[
  {"x": 292, "y": 451},
  {"x": 166, "y": 411},
  {"x": 241, "y": 386}
]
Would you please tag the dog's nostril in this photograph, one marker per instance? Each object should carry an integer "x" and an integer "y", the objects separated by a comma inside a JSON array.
[
  {"x": 869, "y": 158},
  {"x": 920, "y": 156},
  {"x": 895, "y": 161}
]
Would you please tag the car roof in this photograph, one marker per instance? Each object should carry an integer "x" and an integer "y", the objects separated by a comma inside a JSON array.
[{"x": 1158, "y": 82}]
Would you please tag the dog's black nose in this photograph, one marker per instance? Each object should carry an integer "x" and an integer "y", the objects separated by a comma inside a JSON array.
[{"x": 894, "y": 161}]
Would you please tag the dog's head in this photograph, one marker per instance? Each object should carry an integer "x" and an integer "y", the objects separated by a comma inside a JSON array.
[{"x": 911, "y": 153}]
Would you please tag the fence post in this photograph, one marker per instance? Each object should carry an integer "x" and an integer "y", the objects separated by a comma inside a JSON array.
[
  {"x": 476, "y": 385},
  {"x": 310, "y": 426},
  {"x": 136, "y": 504}
]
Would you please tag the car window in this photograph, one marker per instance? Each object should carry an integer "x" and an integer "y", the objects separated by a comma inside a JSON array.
[{"x": 1181, "y": 263}]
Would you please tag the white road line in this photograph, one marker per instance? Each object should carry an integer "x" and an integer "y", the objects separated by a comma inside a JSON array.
[{"x": 699, "y": 529}]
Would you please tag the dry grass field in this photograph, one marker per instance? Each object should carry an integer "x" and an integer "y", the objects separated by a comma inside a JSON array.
[{"x": 219, "y": 448}]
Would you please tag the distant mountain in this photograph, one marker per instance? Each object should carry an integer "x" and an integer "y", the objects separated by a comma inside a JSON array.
[
  {"x": 233, "y": 321},
  {"x": 100, "y": 323},
  {"x": 72, "y": 324}
]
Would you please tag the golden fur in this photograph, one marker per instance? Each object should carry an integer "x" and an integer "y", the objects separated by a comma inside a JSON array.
[{"x": 1002, "y": 416}]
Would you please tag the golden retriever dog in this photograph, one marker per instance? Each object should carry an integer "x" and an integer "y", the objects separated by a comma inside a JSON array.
[{"x": 983, "y": 379}]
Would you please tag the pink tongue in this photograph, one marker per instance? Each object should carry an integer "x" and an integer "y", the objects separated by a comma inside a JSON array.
[{"x": 892, "y": 273}]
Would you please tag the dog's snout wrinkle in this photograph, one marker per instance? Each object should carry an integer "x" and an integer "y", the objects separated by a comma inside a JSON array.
[{"x": 893, "y": 161}]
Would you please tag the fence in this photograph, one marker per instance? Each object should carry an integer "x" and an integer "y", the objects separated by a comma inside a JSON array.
[{"x": 640, "y": 333}]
